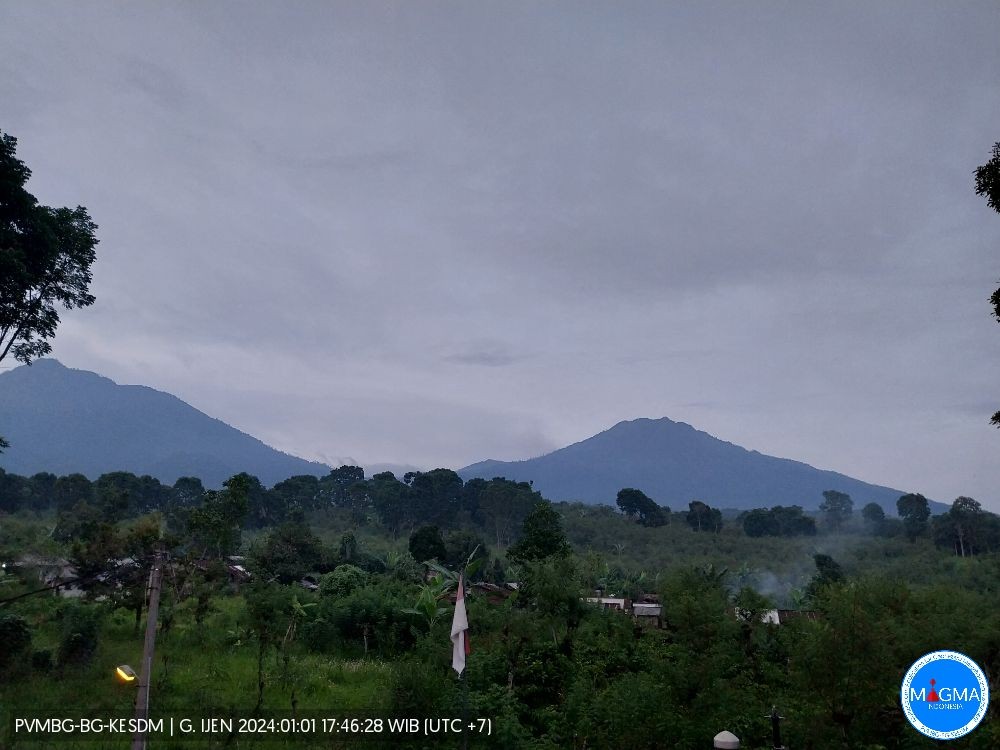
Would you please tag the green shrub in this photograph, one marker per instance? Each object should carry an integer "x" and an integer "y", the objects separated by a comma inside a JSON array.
[
  {"x": 15, "y": 637},
  {"x": 81, "y": 629},
  {"x": 342, "y": 581},
  {"x": 41, "y": 660}
]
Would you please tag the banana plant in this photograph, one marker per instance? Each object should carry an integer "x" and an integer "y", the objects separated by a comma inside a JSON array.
[
  {"x": 450, "y": 577},
  {"x": 427, "y": 605},
  {"x": 431, "y": 593},
  {"x": 298, "y": 614}
]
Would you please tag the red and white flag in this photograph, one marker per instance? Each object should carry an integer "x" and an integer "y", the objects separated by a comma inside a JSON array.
[{"x": 460, "y": 631}]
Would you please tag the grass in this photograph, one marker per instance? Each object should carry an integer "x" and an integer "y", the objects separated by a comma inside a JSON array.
[{"x": 208, "y": 668}]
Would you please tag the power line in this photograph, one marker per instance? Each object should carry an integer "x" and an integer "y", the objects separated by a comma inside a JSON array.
[{"x": 70, "y": 582}]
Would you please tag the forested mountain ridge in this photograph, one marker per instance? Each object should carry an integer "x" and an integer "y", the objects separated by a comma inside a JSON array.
[
  {"x": 674, "y": 463},
  {"x": 64, "y": 421}
]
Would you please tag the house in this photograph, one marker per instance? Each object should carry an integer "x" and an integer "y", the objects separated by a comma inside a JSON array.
[
  {"x": 236, "y": 572},
  {"x": 309, "y": 584},
  {"x": 787, "y": 615},
  {"x": 647, "y": 614},
  {"x": 55, "y": 572},
  {"x": 610, "y": 602},
  {"x": 493, "y": 593},
  {"x": 779, "y": 616}
]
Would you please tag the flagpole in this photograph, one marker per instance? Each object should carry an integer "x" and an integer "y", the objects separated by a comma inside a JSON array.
[
  {"x": 465, "y": 712},
  {"x": 460, "y": 649}
]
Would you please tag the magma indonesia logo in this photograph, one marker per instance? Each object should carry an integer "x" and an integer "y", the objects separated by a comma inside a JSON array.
[{"x": 945, "y": 695}]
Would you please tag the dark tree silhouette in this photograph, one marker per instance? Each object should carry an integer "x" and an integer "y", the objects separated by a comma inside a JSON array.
[
  {"x": 988, "y": 184},
  {"x": 543, "y": 535},
  {"x": 914, "y": 510},
  {"x": 836, "y": 507},
  {"x": 426, "y": 544},
  {"x": 45, "y": 259}
]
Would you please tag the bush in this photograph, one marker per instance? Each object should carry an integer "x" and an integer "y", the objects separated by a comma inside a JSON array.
[
  {"x": 418, "y": 690},
  {"x": 15, "y": 635},
  {"x": 80, "y": 634},
  {"x": 342, "y": 581},
  {"x": 41, "y": 660}
]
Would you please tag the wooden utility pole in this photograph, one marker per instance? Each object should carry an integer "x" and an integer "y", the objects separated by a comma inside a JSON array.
[
  {"x": 776, "y": 728},
  {"x": 146, "y": 670}
]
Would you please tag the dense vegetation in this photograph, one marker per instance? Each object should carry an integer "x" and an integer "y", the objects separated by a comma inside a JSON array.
[{"x": 339, "y": 613}]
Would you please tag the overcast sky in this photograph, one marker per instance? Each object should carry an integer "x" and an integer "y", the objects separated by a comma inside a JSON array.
[{"x": 433, "y": 233}]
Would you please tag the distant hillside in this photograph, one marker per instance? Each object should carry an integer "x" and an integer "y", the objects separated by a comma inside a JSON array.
[
  {"x": 674, "y": 463},
  {"x": 63, "y": 421}
]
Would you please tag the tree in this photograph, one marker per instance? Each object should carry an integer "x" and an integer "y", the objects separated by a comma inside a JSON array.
[
  {"x": 72, "y": 490},
  {"x": 636, "y": 504},
  {"x": 426, "y": 544},
  {"x": 462, "y": 546},
  {"x": 41, "y": 494},
  {"x": 267, "y": 606},
  {"x": 117, "y": 493},
  {"x": 874, "y": 517},
  {"x": 391, "y": 500},
  {"x": 502, "y": 504},
  {"x": 828, "y": 571},
  {"x": 14, "y": 492},
  {"x": 837, "y": 507},
  {"x": 45, "y": 259},
  {"x": 188, "y": 491},
  {"x": 336, "y": 483},
  {"x": 342, "y": 581},
  {"x": 960, "y": 526},
  {"x": 779, "y": 521},
  {"x": 15, "y": 634},
  {"x": 914, "y": 510},
  {"x": 702, "y": 517},
  {"x": 302, "y": 490},
  {"x": 988, "y": 184},
  {"x": 264, "y": 508},
  {"x": 759, "y": 522},
  {"x": 215, "y": 525},
  {"x": 437, "y": 497},
  {"x": 81, "y": 629},
  {"x": 289, "y": 552},
  {"x": 542, "y": 537}
]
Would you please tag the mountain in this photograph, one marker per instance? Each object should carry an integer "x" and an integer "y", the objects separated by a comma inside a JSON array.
[
  {"x": 63, "y": 421},
  {"x": 674, "y": 463}
]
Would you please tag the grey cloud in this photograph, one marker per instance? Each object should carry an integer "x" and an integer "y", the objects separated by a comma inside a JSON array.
[
  {"x": 486, "y": 355},
  {"x": 438, "y": 232}
]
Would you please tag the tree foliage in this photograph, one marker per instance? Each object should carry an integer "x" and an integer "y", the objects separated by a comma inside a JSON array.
[
  {"x": 635, "y": 504},
  {"x": 703, "y": 517},
  {"x": 45, "y": 259},
  {"x": 550, "y": 668},
  {"x": 81, "y": 624},
  {"x": 542, "y": 535},
  {"x": 214, "y": 527},
  {"x": 967, "y": 529},
  {"x": 288, "y": 553},
  {"x": 874, "y": 517},
  {"x": 426, "y": 544},
  {"x": 502, "y": 505},
  {"x": 778, "y": 521},
  {"x": 836, "y": 508},
  {"x": 988, "y": 185},
  {"x": 914, "y": 509},
  {"x": 15, "y": 635}
]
